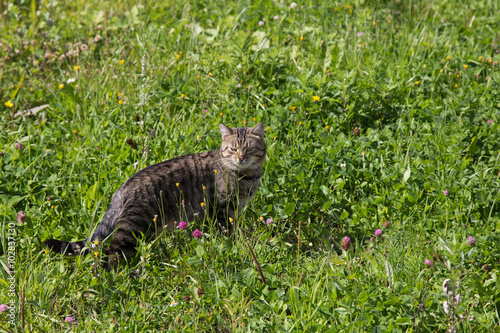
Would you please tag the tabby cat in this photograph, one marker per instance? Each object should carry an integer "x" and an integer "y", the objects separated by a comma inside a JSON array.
[{"x": 219, "y": 183}]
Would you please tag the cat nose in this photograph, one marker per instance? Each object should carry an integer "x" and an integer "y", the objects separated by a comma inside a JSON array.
[{"x": 242, "y": 158}]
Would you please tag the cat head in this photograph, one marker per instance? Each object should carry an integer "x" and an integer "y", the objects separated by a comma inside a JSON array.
[{"x": 243, "y": 148}]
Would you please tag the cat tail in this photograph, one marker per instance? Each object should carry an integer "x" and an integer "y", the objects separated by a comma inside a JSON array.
[{"x": 68, "y": 248}]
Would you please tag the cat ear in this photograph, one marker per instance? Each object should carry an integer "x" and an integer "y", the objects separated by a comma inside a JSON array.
[
  {"x": 225, "y": 131},
  {"x": 258, "y": 129}
]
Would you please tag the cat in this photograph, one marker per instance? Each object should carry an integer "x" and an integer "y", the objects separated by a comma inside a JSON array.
[{"x": 219, "y": 183}]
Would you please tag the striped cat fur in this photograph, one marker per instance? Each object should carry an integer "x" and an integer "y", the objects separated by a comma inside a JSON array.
[{"x": 159, "y": 196}]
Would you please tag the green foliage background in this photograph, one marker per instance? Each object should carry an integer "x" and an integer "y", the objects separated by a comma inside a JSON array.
[{"x": 373, "y": 109}]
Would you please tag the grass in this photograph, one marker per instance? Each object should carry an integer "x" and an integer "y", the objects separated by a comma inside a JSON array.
[{"x": 378, "y": 116}]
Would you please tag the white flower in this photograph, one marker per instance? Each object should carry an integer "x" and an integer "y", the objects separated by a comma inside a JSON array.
[
  {"x": 71, "y": 80},
  {"x": 293, "y": 5},
  {"x": 342, "y": 165},
  {"x": 173, "y": 303},
  {"x": 457, "y": 299},
  {"x": 446, "y": 307},
  {"x": 445, "y": 286}
]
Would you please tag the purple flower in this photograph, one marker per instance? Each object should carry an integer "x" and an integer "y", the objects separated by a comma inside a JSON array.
[
  {"x": 359, "y": 34},
  {"x": 378, "y": 232},
  {"x": 346, "y": 243},
  {"x": 21, "y": 217},
  {"x": 446, "y": 192},
  {"x": 69, "y": 320},
  {"x": 470, "y": 240},
  {"x": 490, "y": 121},
  {"x": 276, "y": 18},
  {"x": 3, "y": 308},
  {"x": 203, "y": 115},
  {"x": 428, "y": 263},
  {"x": 372, "y": 239},
  {"x": 261, "y": 23},
  {"x": 183, "y": 225},
  {"x": 197, "y": 234},
  {"x": 19, "y": 146},
  {"x": 269, "y": 221}
]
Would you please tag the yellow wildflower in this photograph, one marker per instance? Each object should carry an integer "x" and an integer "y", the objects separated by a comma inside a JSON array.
[
  {"x": 76, "y": 68},
  {"x": 121, "y": 62},
  {"x": 96, "y": 254},
  {"x": 327, "y": 127},
  {"x": 210, "y": 74},
  {"x": 293, "y": 108},
  {"x": 9, "y": 104},
  {"x": 204, "y": 187},
  {"x": 465, "y": 66},
  {"x": 301, "y": 38},
  {"x": 61, "y": 86},
  {"x": 221, "y": 114},
  {"x": 177, "y": 184},
  {"x": 74, "y": 131},
  {"x": 231, "y": 219},
  {"x": 96, "y": 242},
  {"x": 120, "y": 102},
  {"x": 374, "y": 23},
  {"x": 183, "y": 96},
  {"x": 448, "y": 58},
  {"x": 202, "y": 204},
  {"x": 417, "y": 83},
  {"x": 215, "y": 171},
  {"x": 316, "y": 98}
]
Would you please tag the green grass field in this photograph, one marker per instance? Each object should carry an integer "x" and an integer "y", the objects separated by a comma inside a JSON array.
[{"x": 378, "y": 114}]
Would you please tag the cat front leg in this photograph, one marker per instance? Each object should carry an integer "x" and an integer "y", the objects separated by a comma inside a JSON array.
[{"x": 225, "y": 220}]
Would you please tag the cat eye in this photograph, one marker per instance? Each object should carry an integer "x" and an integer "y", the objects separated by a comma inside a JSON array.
[
  {"x": 250, "y": 148},
  {"x": 234, "y": 149}
]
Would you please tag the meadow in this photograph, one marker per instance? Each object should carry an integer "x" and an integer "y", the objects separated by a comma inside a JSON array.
[{"x": 378, "y": 209}]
